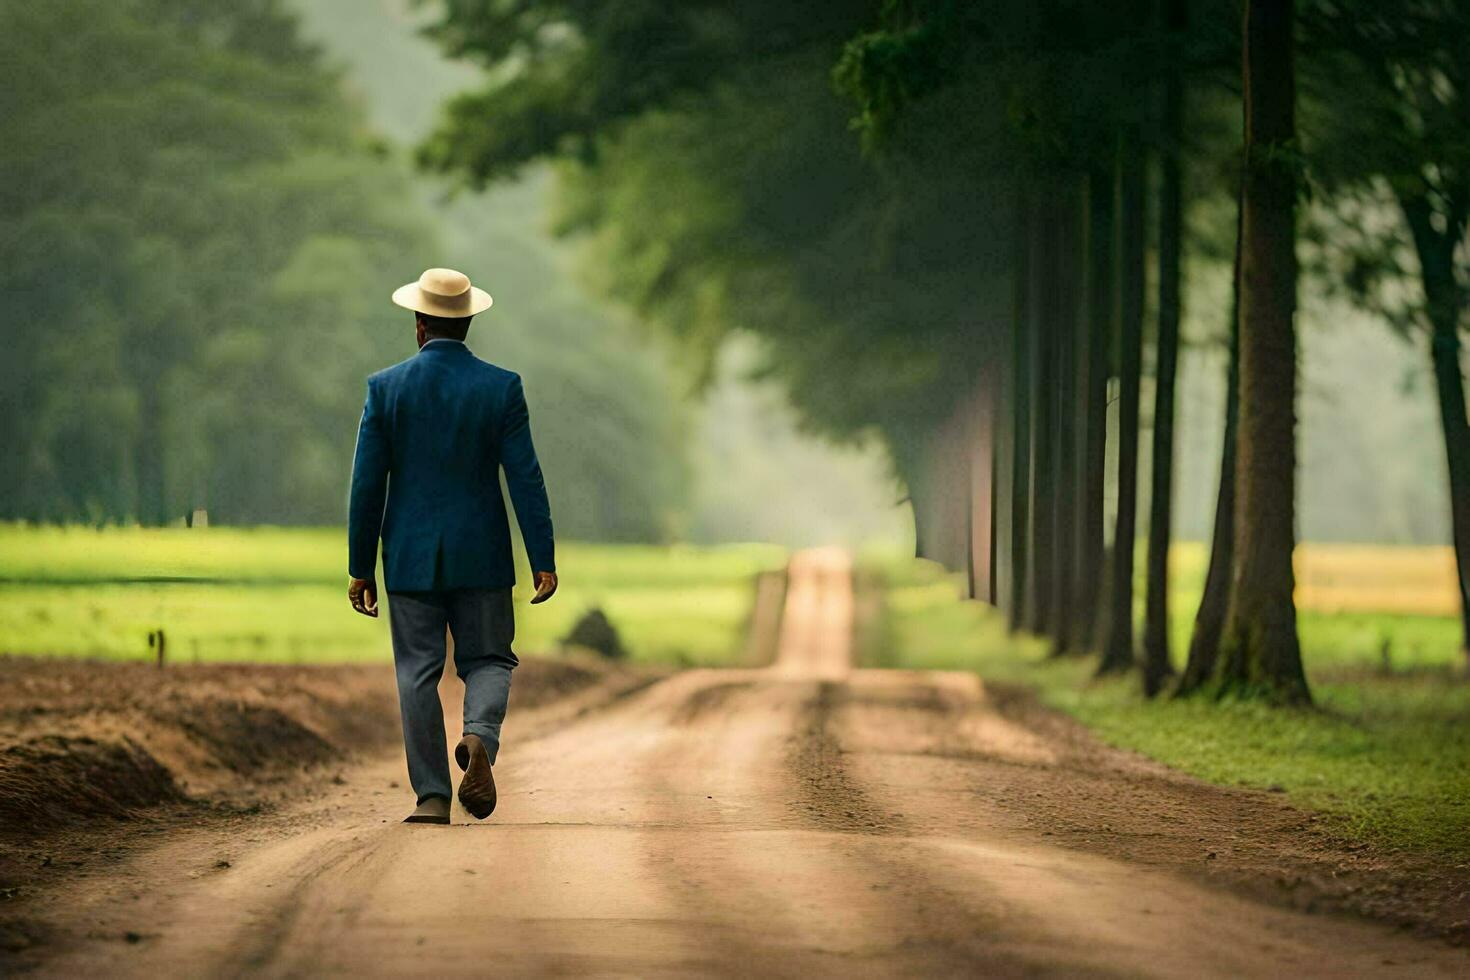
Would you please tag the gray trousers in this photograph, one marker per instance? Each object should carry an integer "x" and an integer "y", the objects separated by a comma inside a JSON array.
[{"x": 482, "y": 622}]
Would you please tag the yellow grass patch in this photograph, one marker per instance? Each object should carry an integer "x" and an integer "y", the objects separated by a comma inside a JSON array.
[
  {"x": 1409, "y": 580},
  {"x": 1377, "y": 578}
]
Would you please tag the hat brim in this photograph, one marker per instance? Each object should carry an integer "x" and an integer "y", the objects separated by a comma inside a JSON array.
[{"x": 411, "y": 297}]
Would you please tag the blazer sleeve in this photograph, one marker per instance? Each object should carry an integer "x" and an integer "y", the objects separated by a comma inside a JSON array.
[
  {"x": 523, "y": 478},
  {"x": 369, "y": 491}
]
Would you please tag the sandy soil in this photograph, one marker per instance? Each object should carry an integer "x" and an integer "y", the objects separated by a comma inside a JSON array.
[
  {"x": 805, "y": 819},
  {"x": 102, "y": 761}
]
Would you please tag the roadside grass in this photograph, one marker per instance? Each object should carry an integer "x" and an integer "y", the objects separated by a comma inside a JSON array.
[
  {"x": 278, "y": 595},
  {"x": 1385, "y": 754}
]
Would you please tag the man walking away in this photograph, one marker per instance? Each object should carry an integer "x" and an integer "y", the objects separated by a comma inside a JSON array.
[{"x": 436, "y": 430}]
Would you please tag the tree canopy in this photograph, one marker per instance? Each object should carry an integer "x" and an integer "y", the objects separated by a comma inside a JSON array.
[
  {"x": 730, "y": 195},
  {"x": 200, "y": 236}
]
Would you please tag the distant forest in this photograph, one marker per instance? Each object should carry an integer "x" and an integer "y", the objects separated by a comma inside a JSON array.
[{"x": 200, "y": 235}]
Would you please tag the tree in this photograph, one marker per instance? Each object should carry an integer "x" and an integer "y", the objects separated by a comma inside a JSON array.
[
  {"x": 1042, "y": 376},
  {"x": 1092, "y": 362},
  {"x": 1020, "y": 424},
  {"x": 1117, "y": 654},
  {"x": 1209, "y": 620},
  {"x": 1069, "y": 325},
  {"x": 1390, "y": 127},
  {"x": 1070, "y": 73},
  {"x": 1260, "y": 652},
  {"x": 1156, "y": 665}
]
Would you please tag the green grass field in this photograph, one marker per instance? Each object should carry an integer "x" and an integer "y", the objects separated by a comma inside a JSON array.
[
  {"x": 1385, "y": 754},
  {"x": 273, "y": 594}
]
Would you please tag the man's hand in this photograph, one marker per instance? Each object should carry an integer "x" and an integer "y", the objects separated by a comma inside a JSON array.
[
  {"x": 363, "y": 594},
  {"x": 545, "y": 587}
]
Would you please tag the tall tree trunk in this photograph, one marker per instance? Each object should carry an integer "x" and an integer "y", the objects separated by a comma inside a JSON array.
[
  {"x": 1020, "y": 427},
  {"x": 1436, "y": 251},
  {"x": 983, "y": 425},
  {"x": 1003, "y": 480},
  {"x": 1204, "y": 642},
  {"x": 980, "y": 505},
  {"x": 996, "y": 450},
  {"x": 1450, "y": 384},
  {"x": 1067, "y": 325},
  {"x": 1157, "y": 668},
  {"x": 1117, "y": 655},
  {"x": 1092, "y": 362},
  {"x": 1260, "y": 654},
  {"x": 1041, "y": 550}
]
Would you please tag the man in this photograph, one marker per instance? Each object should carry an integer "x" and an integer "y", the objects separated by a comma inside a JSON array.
[{"x": 436, "y": 431}]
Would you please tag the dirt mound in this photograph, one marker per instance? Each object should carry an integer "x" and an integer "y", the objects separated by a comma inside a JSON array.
[
  {"x": 81, "y": 740},
  {"x": 48, "y": 781},
  {"x": 540, "y": 681},
  {"x": 250, "y": 738}
]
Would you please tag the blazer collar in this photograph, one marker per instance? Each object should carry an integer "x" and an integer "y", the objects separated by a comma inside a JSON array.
[{"x": 445, "y": 344}]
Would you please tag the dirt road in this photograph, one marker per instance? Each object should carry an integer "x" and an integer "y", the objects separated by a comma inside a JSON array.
[{"x": 802, "y": 820}]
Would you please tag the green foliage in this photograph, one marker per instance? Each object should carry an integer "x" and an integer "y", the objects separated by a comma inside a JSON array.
[
  {"x": 757, "y": 213},
  {"x": 278, "y": 595},
  {"x": 1067, "y": 74},
  {"x": 1385, "y": 106},
  {"x": 200, "y": 240},
  {"x": 562, "y": 72},
  {"x": 1385, "y": 756},
  {"x": 193, "y": 261},
  {"x": 884, "y": 71}
]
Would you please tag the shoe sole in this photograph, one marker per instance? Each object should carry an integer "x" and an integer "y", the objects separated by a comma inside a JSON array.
[
  {"x": 477, "y": 789},
  {"x": 414, "y": 818}
]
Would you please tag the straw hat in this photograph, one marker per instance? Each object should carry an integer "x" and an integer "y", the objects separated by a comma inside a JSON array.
[{"x": 442, "y": 292}]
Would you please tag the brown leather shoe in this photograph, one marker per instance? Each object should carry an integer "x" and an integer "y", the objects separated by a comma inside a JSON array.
[{"x": 477, "y": 789}]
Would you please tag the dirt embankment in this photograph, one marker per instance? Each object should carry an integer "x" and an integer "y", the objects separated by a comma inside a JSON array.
[{"x": 88, "y": 749}]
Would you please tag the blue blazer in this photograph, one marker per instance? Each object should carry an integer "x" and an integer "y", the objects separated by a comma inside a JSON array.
[{"x": 435, "y": 432}]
